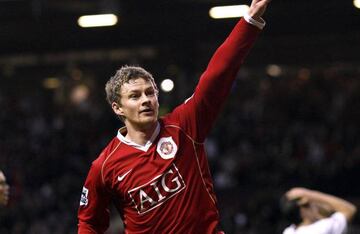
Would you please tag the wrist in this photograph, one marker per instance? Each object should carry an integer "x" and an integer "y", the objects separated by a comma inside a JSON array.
[
  {"x": 258, "y": 22},
  {"x": 254, "y": 16}
]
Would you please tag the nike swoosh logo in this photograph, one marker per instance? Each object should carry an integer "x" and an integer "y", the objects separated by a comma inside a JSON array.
[{"x": 121, "y": 178}]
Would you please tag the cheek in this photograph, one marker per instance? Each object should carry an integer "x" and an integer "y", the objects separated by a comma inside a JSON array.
[
  {"x": 156, "y": 102},
  {"x": 130, "y": 108}
]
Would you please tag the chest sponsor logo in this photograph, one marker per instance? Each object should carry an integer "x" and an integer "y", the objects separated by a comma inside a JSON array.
[
  {"x": 166, "y": 148},
  {"x": 157, "y": 191}
]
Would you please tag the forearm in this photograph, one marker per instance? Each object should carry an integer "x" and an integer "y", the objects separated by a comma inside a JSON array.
[
  {"x": 226, "y": 61},
  {"x": 336, "y": 203},
  {"x": 232, "y": 52}
]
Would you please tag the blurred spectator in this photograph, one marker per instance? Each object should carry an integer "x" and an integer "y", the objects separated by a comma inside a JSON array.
[
  {"x": 314, "y": 212},
  {"x": 4, "y": 190}
]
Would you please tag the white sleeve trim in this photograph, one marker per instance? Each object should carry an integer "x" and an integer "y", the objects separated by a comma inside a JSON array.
[{"x": 250, "y": 20}]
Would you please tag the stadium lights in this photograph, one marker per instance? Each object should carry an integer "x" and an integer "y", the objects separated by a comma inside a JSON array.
[
  {"x": 102, "y": 20},
  {"x": 51, "y": 83},
  {"x": 167, "y": 85},
  {"x": 357, "y": 3},
  {"x": 274, "y": 70},
  {"x": 233, "y": 11}
]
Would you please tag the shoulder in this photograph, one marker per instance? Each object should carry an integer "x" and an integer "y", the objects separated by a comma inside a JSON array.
[
  {"x": 100, "y": 166},
  {"x": 339, "y": 220},
  {"x": 290, "y": 230},
  {"x": 336, "y": 223},
  {"x": 107, "y": 151},
  {"x": 106, "y": 154},
  {"x": 168, "y": 119},
  {"x": 338, "y": 216}
]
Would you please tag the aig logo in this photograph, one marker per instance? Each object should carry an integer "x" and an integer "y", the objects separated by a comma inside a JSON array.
[{"x": 160, "y": 189}]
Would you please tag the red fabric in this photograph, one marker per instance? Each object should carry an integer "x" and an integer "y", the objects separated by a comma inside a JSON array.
[{"x": 170, "y": 191}]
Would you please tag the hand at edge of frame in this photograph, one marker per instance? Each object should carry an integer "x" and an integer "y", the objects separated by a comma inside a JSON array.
[{"x": 257, "y": 8}]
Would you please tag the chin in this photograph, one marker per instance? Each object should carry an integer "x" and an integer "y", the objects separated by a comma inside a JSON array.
[{"x": 148, "y": 121}]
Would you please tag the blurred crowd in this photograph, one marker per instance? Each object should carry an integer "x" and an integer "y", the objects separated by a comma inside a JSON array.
[
  {"x": 299, "y": 127},
  {"x": 295, "y": 129}
]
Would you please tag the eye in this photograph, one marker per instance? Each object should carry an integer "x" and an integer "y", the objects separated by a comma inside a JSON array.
[
  {"x": 133, "y": 96},
  {"x": 150, "y": 92}
]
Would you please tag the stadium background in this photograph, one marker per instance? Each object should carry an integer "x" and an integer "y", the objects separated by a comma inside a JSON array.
[{"x": 292, "y": 119}]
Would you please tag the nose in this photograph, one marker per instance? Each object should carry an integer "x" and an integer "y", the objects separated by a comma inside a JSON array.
[{"x": 145, "y": 99}]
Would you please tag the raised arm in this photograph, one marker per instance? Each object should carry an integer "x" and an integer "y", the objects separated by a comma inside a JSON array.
[
  {"x": 230, "y": 55},
  {"x": 335, "y": 203},
  {"x": 200, "y": 111}
]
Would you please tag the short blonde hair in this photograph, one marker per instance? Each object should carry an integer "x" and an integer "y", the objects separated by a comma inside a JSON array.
[{"x": 122, "y": 76}]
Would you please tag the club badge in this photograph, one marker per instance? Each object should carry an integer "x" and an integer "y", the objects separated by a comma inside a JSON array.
[{"x": 166, "y": 148}]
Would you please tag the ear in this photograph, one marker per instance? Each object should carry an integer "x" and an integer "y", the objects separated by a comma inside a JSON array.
[
  {"x": 303, "y": 201},
  {"x": 117, "y": 109}
]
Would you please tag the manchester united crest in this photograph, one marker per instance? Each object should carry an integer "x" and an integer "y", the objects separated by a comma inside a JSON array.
[{"x": 166, "y": 147}]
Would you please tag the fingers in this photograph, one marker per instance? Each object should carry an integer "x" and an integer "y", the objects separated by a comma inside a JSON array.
[
  {"x": 260, "y": 3},
  {"x": 258, "y": 8}
]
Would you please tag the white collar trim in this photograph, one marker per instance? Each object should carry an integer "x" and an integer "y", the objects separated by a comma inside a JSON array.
[{"x": 137, "y": 146}]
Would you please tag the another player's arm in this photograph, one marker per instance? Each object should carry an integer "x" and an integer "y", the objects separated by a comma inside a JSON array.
[{"x": 335, "y": 203}]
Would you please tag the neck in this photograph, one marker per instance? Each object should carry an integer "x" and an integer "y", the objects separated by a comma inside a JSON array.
[
  {"x": 140, "y": 135},
  {"x": 305, "y": 222},
  {"x": 308, "y": 216}
]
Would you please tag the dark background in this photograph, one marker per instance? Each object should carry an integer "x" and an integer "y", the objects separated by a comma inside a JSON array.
[
  {"x": 299, "y": 128},
  {"x": 41, "y": 26}
]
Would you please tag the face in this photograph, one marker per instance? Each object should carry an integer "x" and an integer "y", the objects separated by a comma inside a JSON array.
[
  {"x": 138, "y": 105},
  {"x": 4, "y": 190},
  {"x": 311, "y": 212}
]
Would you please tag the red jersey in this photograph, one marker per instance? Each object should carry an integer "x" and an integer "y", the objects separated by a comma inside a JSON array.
[{"x": 166, "y": 186}]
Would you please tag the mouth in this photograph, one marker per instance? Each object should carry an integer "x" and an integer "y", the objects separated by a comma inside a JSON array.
[{"x": 147, "y": 111}]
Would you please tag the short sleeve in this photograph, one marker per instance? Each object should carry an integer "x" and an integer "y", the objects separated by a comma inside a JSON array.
[{"x": 339, "y": 223}]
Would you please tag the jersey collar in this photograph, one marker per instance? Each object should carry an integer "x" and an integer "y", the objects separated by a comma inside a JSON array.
[{"x": 145, "y": 147}]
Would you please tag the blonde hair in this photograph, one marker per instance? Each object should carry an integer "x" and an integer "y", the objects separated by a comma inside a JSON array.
[{"x": 122, "y": 76}]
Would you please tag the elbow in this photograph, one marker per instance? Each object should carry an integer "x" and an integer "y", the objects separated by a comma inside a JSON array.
[
  {"x": 354, "y": 210},
  {"x": 351, "y": 212}
]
